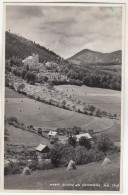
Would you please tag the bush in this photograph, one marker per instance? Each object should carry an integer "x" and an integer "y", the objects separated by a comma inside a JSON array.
[
  {"x": 30, "y": 77},
  {"x": 83, "y": 141},
  {"x": 11, "y": 120},
  {"x": 44, "y": 166},
  {"x": 72, "y": 141},
  {"x": 33, "y": 165},
  {"x": 12, "y": 168},
  {"x": 39, "y": 130},
  {"x": 104, "y": 144},
  {"x": 81, "y": 155},
  {"x": 61, "y": 154}
]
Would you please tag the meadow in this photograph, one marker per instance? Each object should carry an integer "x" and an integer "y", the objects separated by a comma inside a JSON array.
[
  {"x": 47, "y": 116},
  {"x": 19, "y": 137},
  {"x": 61, "y": 179},
  {"x": 105, "y": 99}
]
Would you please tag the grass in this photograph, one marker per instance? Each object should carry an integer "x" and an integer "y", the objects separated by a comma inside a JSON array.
[
  {"x": 19, "y": 137},
  {"x": 51, "y": 116},
  {"x": 105, "y": 99},
  {"x": 43, "y": 115},
  {"x": 9, "y": 93},
  {"x": 92, "y": 173},
  {"x": 46, "y": 116}
]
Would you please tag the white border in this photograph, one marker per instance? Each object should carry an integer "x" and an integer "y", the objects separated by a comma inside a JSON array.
[{"x": 125, "y": 149}]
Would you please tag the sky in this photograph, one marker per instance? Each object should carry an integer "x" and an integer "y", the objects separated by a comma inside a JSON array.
[{"x": 67, "y": 30}]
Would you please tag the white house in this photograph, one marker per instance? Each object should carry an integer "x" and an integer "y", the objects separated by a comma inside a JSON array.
[
  {"x": 87, "y": 135},
  {"x": 53, "y": 134},
  {"x": 31, "y": 60}
]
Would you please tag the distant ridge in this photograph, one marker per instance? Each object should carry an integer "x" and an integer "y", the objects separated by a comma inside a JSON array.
[
  {"x": 87, "y": 56},
  {"x": 21, "y": 47}
]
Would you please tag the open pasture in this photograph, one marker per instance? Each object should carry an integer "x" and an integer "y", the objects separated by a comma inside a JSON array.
[
  {"x": 9, "y": 93},
  {"x": 105, "y": 99},
  {"x": 16, "y": 136},
  {"x": 43, "y": 115},
  {"x": 92, "y": 173}
]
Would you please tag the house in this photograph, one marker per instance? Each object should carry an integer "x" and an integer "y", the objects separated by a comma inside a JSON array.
[
  {"x": 43, "y": 149},
  {"x": 87, "y": 135},
  {"x": 31, "y": 60},
  {"x": 42, "y": 152},
  {"x": 53, "y": 134}
]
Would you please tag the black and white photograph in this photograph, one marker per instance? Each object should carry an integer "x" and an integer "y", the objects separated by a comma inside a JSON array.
[{"x": 63, "y": 94}]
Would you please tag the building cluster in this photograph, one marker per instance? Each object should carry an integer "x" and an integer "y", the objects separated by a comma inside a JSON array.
[{"x": 43, "y": 150}]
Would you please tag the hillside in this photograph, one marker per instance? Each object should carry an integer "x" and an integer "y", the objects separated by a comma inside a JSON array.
[
  {"x": 92, "y": 173},
  {"x": 87, "y": 56},
  {"x": 20, "y": 47}
]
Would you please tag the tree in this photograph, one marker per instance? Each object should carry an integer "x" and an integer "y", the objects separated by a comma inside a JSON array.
[
  {"x": 23, "y": 73},
  {"x": 39, "y": 130},
  {"x": 83, "y": 141},
  {"x": 98, "y": 112},
  {"x": 61, "y": 154},
  {"x": 20, "y": 87},
  {"x": 76, "y": 130},
  {"x": 72, "y": 141},
  {"x": 104, "y": 144},
  {"x": 91, "y": 108},
  {"x": 56, "y": 154},
  {"x": 63, "y": 103},
  {"x": 30, "y": 77},
  {"x": 81, "y": 155}
]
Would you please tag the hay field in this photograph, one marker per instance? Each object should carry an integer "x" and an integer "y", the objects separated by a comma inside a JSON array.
[
  {"x": 46, "y": 116},
  {"x": 9, "y": 93},
  {"x": 43, "y": 115},
  {"x": 105, "y": 99},
  {"x": 19, "y": 137},
  {"x": 91, "y": 173}
]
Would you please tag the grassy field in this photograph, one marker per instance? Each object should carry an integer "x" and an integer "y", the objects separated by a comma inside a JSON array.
[
  {"x": 105, "y": 99},
  {"x": 9, "y": 93},
  {"x": 92, "y": 173},
  {"x": 46, "y": 116},
  {"x": 18, "y": 137}
]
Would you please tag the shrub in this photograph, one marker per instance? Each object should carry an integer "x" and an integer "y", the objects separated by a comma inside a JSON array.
[
  {"x": 6, "y": 82},
  {"x": 61, "y": 154},
  {"x": 83, "y": 141},
  {"x": 39, "y": 130},
  {"x": 44, "y": 165},
  {"x": 33, "y": 165},
  {"x": 72, "y": 141},
  {"x": 11, "y": 120},
  {"x": 30, "y": 77},
  {"x": 81, "y": 155},
  {"x": 104, "y": 144},
  {"x": 12, "y": 168}
]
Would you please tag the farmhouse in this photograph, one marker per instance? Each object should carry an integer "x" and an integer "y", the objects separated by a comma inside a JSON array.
[
  {"x": 43, "y": 149},
  {"x": 31, "y": 60},
  {"x": 53, "y": 134},
  {"x": 87, "y": 135}
]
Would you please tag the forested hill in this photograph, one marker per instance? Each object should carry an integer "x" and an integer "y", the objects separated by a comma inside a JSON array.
[
  {"x": 20, "y": 47},
  {"x": 87, "y": 56}
]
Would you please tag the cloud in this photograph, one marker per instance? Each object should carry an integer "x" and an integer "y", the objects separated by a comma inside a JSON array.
[
  {"x": 22, "y": 12},
  {"x": 67, "y": 29}
]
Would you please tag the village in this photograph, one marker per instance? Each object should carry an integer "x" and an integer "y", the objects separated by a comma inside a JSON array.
[{"x": 62, "y": 119}]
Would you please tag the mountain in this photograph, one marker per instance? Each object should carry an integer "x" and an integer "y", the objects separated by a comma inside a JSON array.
[
  {"x": 21, "y": 47},
  {"x": 87, "y": 56}
]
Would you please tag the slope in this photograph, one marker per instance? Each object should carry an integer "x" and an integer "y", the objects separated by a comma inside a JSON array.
[
  {"x": 87, "y": 56},
  {"x": 21, "y": 47},
  {"x": 80, "y": 179}
]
